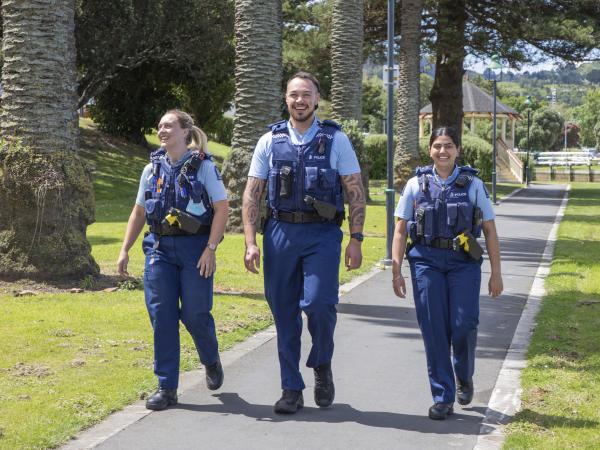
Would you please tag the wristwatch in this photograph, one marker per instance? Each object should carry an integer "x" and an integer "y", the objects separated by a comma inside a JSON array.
[
  {"x": 212, "y": 246},
  {"x": 358, "y": 236}
]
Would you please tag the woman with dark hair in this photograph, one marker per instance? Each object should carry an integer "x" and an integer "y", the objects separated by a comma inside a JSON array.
[
  {"x": 441, "y": 212},
  {"x": 182, "y": 198}
]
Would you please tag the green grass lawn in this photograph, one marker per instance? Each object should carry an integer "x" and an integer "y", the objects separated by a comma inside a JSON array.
[{"x": 561, "y": 397}]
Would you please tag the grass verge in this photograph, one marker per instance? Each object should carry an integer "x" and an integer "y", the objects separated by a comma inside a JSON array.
[
  {"x": 70, "y": 360},
  {"x": 561, "y": 384}
]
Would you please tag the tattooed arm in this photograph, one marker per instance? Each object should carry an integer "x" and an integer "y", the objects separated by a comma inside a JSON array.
[
  {"x": 250, "y": 216},
  {"x": 357, "y": 207}
]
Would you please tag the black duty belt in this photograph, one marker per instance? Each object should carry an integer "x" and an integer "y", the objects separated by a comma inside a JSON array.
[
  {"x": 443, "y": 243},
  {"x": 296, "y": 216},
  {"x": 167, "y": 230}
]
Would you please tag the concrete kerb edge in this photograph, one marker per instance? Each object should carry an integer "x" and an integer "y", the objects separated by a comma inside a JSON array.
[
  {"x": 512, "y": 194},
  {"x": 506, "y": 395},
  {"x": 118, "y": 421}
]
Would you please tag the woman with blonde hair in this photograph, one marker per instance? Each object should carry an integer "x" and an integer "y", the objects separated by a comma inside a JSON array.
[{"x": 183, "y": 200}]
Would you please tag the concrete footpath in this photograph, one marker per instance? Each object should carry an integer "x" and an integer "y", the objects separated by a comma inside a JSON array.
[{"x": 382, "y": 393}]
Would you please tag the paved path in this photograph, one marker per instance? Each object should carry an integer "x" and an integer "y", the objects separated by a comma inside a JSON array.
[{"x": 382, "y": 394}]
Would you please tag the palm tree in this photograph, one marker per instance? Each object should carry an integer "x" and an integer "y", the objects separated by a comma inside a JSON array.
[
  {"x": 347, "y": 30},
  {"x": 258, "y": 97},
  {"x": 46, "y": 198},
  {"x": 346, "y": 59},
  {"x": 407, "y": 117}
]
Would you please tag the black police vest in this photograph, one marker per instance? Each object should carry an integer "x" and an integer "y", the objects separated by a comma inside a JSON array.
[
  {"x": 443, "y": 211},
  {"x": 176, "y": 187},
  {"x": 301, "y": 170}
]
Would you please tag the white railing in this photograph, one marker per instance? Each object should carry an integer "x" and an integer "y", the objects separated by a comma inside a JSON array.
[
  {"x": 510, "y": 160},
  {"x": 565, "y": 158}
]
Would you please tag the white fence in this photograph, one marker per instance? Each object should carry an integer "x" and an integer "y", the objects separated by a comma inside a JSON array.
[{"x": 566, "y": 159}]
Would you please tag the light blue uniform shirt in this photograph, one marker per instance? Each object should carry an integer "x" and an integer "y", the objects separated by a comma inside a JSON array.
[
  {"x": 343, "y": 158},
  {"x": 208, "y": 175},
  {"x": 478, "y": 195}
]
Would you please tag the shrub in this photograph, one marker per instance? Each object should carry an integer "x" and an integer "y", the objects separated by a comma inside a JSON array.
[
  {"x": 222, "y": 130},
  {"x": 376, "y": 153}
]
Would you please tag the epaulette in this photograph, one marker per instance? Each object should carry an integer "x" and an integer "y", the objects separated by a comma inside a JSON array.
[
  {"x": 195, "y": 161},
  {"x": 423, "y": 170},
  {"x": 466, "y": 175},
  {"x": 331, "y": 123},
  {"x": 469, "y": 170},
  {"x": 278, "y": 127},
  {"x": 157, "y": 154}
]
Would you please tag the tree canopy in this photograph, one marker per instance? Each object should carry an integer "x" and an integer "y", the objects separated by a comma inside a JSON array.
[{"x": 137, "y": 58}]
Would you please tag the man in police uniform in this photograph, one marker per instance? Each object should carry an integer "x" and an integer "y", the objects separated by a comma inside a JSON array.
[{"x": 303, "y": 163}]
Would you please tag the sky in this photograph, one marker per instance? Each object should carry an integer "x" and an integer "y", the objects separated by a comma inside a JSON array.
[{"x": 480, "y": 66}]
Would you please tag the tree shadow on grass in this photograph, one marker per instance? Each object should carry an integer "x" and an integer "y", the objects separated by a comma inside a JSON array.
[{"x": 552, "y": 421}]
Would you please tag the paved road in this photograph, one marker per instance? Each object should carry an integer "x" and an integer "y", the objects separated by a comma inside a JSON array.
[{"x": 379, "y": 367}]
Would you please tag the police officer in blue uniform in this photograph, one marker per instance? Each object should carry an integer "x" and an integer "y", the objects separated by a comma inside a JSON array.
[
  {"x": 441, "y": 212},
  {"x": 182, "y": 197},
  {"x": 304, "y": 164}
]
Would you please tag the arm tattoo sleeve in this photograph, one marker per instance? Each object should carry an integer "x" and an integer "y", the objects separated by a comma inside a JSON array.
[
  {"x": 251, "y": 201},
  {"x": 356, "y": 201}
]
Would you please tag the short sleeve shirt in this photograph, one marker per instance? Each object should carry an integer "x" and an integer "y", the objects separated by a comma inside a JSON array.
[
  {"x": 478, "y": 195},
  {"x": 208, "y": 175},
  {"x": 343, "y": 158}
]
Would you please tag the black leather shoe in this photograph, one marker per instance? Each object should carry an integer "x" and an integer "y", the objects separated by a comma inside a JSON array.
[
  {"x": 214, "y": 376},
  {"x": 161, "y": 399},
  {"x": 464, "y": 392},
  {"x": 440, "y": 411},
  {"x": 324, "y": 388},
  {"x": 289, "y": 403}
]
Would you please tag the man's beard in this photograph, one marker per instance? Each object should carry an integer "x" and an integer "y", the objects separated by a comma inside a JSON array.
[{"x": 309, "y": 116}]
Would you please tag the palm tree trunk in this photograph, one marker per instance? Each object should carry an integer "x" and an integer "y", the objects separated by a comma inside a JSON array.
[
  {"x": 346, "y": 59},
  {"x": 258, "y": 97},
  {"x": 46, "y": 200},
  {"x": 446, "y": 95},
  {"x": 407, "y": 118},
  {"x": 347, "y": 30}
]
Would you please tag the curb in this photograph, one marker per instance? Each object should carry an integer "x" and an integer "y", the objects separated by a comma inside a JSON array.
[
  {"x": 512, "y": 194},
  {"x": 505, "y": 401}
]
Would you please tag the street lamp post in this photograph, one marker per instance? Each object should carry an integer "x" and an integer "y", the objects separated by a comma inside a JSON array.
[
  {"x": 389, "y": 192},
  {"x": 528, "y": 103},
  {"x": 495, "y": 64},
  {"x": 494, "y": 144}
]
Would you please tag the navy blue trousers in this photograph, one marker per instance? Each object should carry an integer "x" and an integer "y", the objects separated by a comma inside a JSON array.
[
  {"x": 174, "y": 291},
  {"x": 446, "y": 292},
  {"x": 301, "y": 263}
]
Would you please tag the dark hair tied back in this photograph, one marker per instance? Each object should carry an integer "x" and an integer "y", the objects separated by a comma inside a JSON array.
[{"x": 445, "y": 131}]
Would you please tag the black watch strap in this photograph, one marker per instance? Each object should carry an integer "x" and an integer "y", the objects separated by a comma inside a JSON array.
[{"x": 358, "y": 236}]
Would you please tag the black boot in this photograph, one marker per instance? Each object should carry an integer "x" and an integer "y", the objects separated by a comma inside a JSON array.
[
  {"x": 464, "y": 392},
  {"x": 324, "y": 388},
  {"x": 289, "y": 403},
  {"x": 441, "y": 411},
  {"x": 214, "y": 375},
  {"x": 161, "y": 399}
]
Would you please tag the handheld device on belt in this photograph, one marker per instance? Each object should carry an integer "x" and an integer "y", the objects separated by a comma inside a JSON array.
[
  {"x": 325, "y": 210},
  {"x": 182, "y": 220},
  {"x": 467, "y": 242}
]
